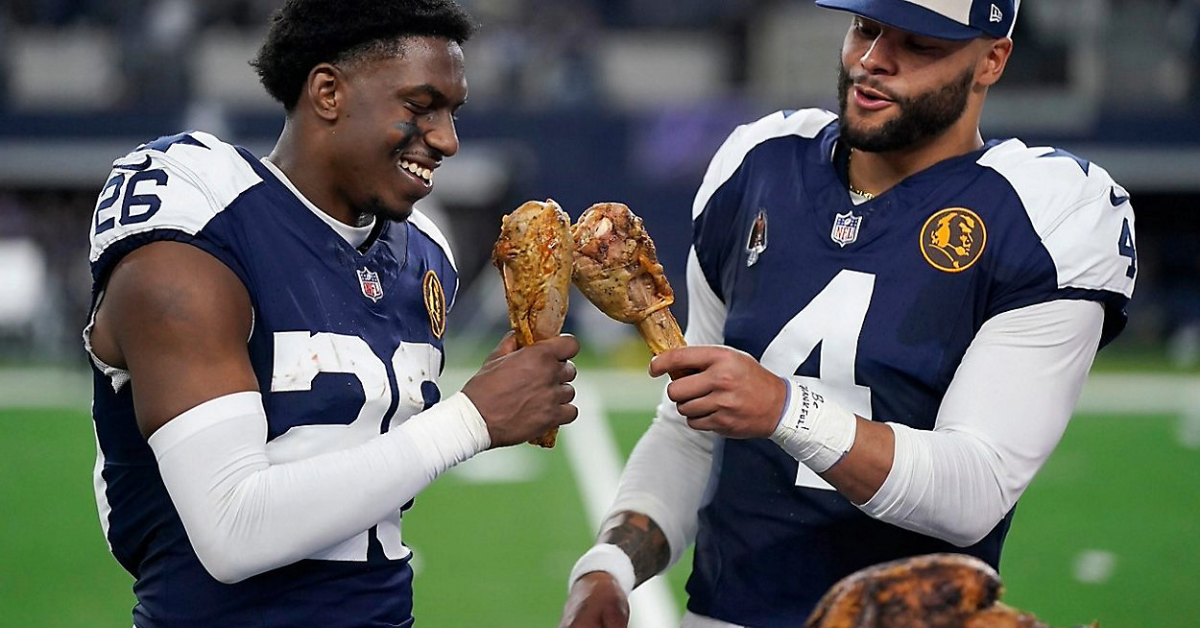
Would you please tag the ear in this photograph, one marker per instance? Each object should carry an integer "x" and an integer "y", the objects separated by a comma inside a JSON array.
[
  {"x": 324, "y": 88},
  {"x": 993, "y": 61}
]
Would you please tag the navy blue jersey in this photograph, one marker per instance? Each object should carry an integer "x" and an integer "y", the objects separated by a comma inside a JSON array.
[
  {"x": 345, "y": 345},
  {"x": 875, "y": 305}
]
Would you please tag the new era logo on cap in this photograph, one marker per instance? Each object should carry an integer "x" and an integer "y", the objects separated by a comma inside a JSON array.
[{"x": 943, "y": 19}]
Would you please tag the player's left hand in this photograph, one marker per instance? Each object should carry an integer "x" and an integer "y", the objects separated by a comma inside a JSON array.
[{"x": 722, "y": 390}]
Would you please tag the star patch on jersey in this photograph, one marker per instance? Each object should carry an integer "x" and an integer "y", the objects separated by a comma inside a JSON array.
[
  {"x": 845, "y": 228},
  {"x": 953, "y": 239},
  {"x": 372, "y": 288},
  {"x": 757, "y": 242},
  {"x": 435, "y": 303}
]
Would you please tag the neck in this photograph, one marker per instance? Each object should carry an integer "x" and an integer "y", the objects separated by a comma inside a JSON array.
[
  {"x": 876, "y": 173},
  {"x": 294, "y": 156}
]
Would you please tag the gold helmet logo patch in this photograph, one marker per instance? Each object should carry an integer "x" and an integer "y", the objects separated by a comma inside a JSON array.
[
  {"x": 435, "y": 303},
  {"x": 953, "y": 239}
]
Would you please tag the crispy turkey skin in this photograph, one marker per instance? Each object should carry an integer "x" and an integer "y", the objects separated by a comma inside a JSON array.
[
  {"x": 617, "y": 269},
  {"x": 534, "y": 256},
  {"x": 930, "y": 591}
]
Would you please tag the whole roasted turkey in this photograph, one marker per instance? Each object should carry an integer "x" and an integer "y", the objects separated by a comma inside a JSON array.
[
  {"x": 534, "y": 257},
  {"x": 617, "y": 269},
  {"x": 930, "y": 591}
]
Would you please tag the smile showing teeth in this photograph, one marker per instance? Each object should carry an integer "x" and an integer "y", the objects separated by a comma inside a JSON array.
[{"x": 424, "y": 173}]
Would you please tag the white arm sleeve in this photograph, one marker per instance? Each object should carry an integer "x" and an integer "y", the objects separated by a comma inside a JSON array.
[
  {"x": 669, "y": 468},
  {"x": 241, "y": 512},
  {"x": 1003, "y": 415}
]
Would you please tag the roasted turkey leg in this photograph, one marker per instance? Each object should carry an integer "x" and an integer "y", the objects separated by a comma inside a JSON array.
[
  {"x": 534, "y": 257},
  {"x": 617, "y": 269},
  {"x": 933, "y": 591},
  {"x": 930, "y": 591}
]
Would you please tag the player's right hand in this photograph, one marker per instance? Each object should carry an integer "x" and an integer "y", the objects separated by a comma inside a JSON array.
[
  {"x": 596, "y": 601},
  {"x": 721, "y": 389},
  {"x": 522, "y": 393}
]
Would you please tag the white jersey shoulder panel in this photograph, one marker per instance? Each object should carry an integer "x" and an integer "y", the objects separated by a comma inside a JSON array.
[
  {"x": 805, "y": 123},
  {"x": 181, "y": 189},
  {"x": 426, "y": 225},
  {"x": 1081, "y": 215}
]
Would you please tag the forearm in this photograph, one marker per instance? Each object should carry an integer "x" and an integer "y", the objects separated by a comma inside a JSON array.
[
  {"x": 653, "y": 518},
  {"x": 641, "y": 540},
  {"x": 240, "y": 511},
  {"x": 866, "y": 466},
  {"x": 946, "y": 485},
  {"x": 665, "y": 478}
]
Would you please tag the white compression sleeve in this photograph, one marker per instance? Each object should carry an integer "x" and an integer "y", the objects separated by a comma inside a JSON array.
[
  {"x": 241, "y": 512},
  {"x": 1001, "y": 418}
]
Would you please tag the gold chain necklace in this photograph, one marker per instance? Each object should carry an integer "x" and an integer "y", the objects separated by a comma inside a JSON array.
[{"x": 863, "y": 193}]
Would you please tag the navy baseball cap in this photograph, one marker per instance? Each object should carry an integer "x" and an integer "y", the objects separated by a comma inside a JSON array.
[{"x": 942, "y": 19}]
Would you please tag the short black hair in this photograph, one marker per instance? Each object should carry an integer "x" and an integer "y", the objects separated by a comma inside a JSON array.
[{"x": 305, "y": 33}]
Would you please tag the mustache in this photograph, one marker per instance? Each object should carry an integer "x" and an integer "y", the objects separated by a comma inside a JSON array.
[{"x": 867, "y": 81}]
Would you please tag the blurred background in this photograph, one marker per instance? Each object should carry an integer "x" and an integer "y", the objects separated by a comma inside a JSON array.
[{"x": 587, "y": 101}]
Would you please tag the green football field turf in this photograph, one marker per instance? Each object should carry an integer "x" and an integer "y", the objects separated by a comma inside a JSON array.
[{"x": 1109, "y": 531}]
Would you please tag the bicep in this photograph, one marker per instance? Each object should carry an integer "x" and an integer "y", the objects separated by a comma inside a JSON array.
[{"x": 177, "y": 319}]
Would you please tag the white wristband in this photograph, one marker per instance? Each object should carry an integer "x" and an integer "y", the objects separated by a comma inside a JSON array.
[
  {"x": 608, "y": 558},
  {"x": 814, "y": 430}
]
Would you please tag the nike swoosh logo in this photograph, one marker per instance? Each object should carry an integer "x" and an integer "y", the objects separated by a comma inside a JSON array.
[
  {"x": 135, "y": 167},
  {"x": 1117, "y": 199}
]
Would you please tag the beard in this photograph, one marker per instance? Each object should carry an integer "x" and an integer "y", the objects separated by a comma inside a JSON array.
[{"x": 922, "y": 117}]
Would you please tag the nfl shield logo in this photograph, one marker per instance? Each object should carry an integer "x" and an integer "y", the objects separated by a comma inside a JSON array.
[
  {"x": 371, "y": 286},
  {"x": 845, "y": 228}
]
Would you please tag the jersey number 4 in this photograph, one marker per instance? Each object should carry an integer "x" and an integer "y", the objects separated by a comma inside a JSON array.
[
  {"x": 1126, "y": 248},
  {"x": 833, "y": 320}
]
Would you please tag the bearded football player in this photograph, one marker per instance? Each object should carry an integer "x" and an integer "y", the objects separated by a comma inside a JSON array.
[{"x": 890, "y": 321}]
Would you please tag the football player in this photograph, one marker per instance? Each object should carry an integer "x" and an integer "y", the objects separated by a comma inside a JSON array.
[
  {"x": 267, "y": 336},
  {"x": 890, "y": 321}
]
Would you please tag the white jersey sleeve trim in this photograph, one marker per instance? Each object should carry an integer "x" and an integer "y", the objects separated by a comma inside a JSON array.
[
  {"x": 1079, "y": 213},
  {"x": 706, "y": 311},
  {"x": 245, "y": 515},
  {"x": 1002, "y": 416},
  {"x": 804, "y": 123},
  {"x": 191, "y": 184},
  {"x": 426, "y": 225}
]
